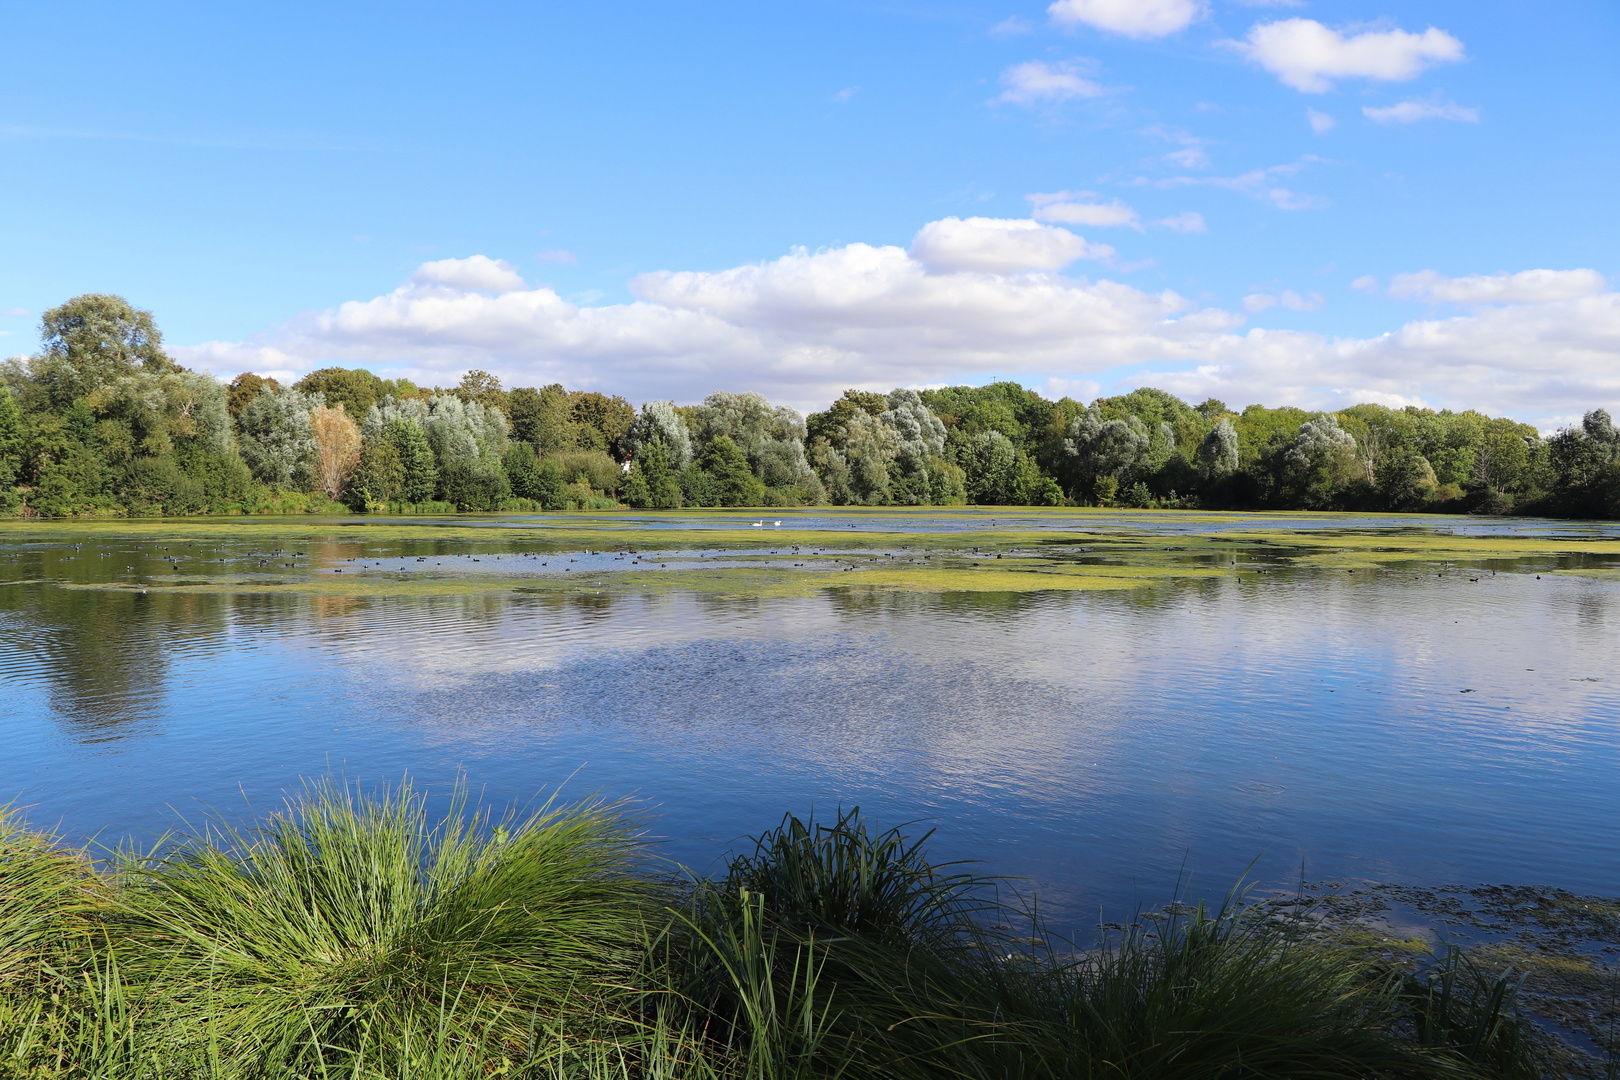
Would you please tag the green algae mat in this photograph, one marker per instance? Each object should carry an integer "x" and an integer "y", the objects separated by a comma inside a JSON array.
[{"x": 779, "y": 554}]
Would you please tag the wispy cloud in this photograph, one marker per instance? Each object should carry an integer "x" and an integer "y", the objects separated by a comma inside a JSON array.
[
  {"x": 1414, "y": 110},
  {"x": 1012, "y": 26},
  {"x": 1190, "y": 152},
  {"x": 1320, "y": 122},
  {"x": 1036, "y": 82},
  {"x": 557, "y": 255},
  {"x": 1189, "y": 222},
  {"x": 1082, "y": 208},
  {"x": 1259, "y": 184},
  {"x": 1288, "y": 298},
  {"x": 1525, "y": 287},
  {"x": 846, "y": 94}
]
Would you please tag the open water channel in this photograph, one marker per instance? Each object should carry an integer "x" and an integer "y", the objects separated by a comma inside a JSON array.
[{"x": 1392, "y": 725}]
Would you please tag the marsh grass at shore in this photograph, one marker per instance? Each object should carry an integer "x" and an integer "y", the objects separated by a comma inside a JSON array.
[{"x": 357, "y": 935}]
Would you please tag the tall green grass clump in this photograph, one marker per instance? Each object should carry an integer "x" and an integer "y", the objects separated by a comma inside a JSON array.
[
  {"x": 344, "y": 928},
  {"x": 831, "y": 950}
]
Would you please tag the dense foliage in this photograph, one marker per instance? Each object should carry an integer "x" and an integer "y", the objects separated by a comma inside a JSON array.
[{"x": 102, "y": 421}]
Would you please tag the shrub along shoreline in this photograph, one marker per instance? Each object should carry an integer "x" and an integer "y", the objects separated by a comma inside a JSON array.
[{"x": 354, "y": 935}]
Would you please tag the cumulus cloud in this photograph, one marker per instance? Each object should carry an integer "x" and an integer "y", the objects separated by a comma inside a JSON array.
[
  {"x": 1526, "y": 287},
  {"x": 1320, "y": 122},
  {"x": 804, "y": 327},
  {"x": 1130, "y": 18},
  {"x": 1036, "y": 82},
  {"x": 1540, "y": 363},
  {"x": 1308, "y": 56},
  {"x": 1410, "y": 112},
  {"x": 479, "y": 273},
  {"x": 1000, "y": 245},
  {"x": 1082, "y": 208}
]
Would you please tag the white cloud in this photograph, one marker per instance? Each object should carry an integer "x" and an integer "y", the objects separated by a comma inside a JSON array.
[
  {"x": 1526, "y": 287},
  {"x": 1365, "y": 284},
  {"x": 1259, "y": 301},
  {"x": 1308, "y": 56},
  {"x": 1131, "y": 18},
  {"x": 479, "y": 273},
  {"x": 1036, "y": 82},
  {"x": 804, "y": 327},
  {"x": 556, "y": 255},
  {"x": 1537, "y": 363},
  {"x": 846, "y": 94},
  {"x": 1190, "y": 222},
  {"x": 1410, "y": 112},
  {"x": 16, "y": 313},
  {"x": 1000, "y": 245},
  {"x": 1321, "y": 122},
  {"x": 1081, "y": 208},
  {"x": 1011, "y": 26}
]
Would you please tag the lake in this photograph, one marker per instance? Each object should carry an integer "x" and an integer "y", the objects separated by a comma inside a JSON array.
[{"x": 1427, "y": 709}]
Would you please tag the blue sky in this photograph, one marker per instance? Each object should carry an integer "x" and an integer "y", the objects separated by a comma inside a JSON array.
[{"x": 271, "y": 181}]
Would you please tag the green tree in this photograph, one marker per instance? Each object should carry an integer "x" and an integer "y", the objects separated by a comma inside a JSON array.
[
  {"x": 734, "y": 480},
  {"x": 653, "y": 482},
  {"x": 275, "y": 436},
  {"x": 380, "y": 476},
  {"x": 600, "y": 422},
  {"x": 522, "y": 409},
  {"x": 357, "y": 389},
  {"x": 1322, "y": 462},
  {"x": 244, "y": 388},
  {"x": 92, "y": 340},
  {"x": 992, "y": 469},
  {"x": 553, "y": 427},
  {"x": 1218, "y": 452},
  {"x": 1585, "y": 463},
  {"x": 421, "y": 473},
  {"x": 551, "y": 489},
  {"x": 484, "y": 388},
  {"x": 523, "y": 470},
  {"x": 11, "y": 444},
  {"x": 830, "y": 424},
  {"x": 659, "y": 421}
]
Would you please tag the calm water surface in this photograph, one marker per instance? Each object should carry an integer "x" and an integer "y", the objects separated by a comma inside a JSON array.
[{"x": 1376, "y": 725}]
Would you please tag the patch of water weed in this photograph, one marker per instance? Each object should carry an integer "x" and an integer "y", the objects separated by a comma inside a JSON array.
[{"x": 1559, "y": 950}]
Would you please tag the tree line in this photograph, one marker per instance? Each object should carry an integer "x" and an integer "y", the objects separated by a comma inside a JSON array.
[{"x": 102, "y": 421}]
